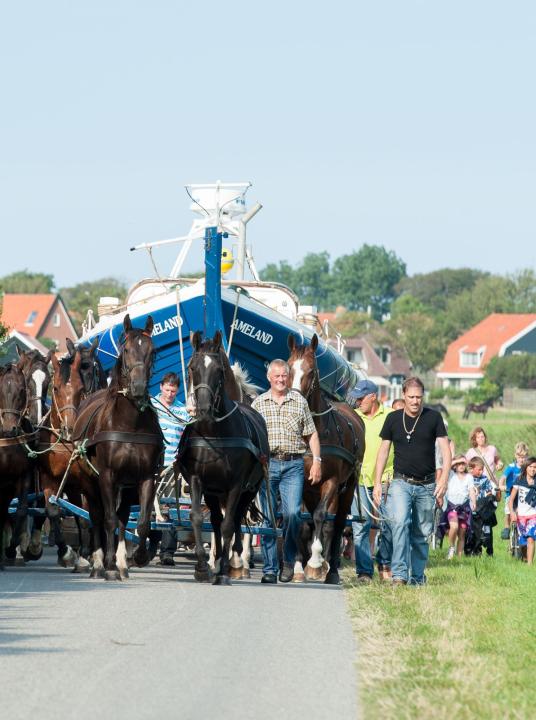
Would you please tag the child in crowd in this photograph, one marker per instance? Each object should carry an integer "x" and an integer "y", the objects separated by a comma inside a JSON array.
[
  {"x": 461, "y": 500},
  {"x": 507, "y": 481},
  {"x": 484, "y": 516},
  {"x": 524, "y": 490}
]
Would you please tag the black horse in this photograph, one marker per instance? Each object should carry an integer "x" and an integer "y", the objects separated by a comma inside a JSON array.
[
  {"x": 120, "y": 432},
  {"x": 223, "y": 454},
  {"x": 91, "y": 371},
  {"x": 439, "y": 407},
  {"x": 479, "y": 408},
  {"x": 16, "y": 468}
]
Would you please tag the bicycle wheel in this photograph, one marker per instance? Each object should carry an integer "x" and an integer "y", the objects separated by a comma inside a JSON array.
[
  {"x": 435, "y": 540},
  {"x": 515, "y": 550}
]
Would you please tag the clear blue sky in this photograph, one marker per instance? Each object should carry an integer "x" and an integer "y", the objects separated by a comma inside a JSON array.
[{"x": 401, "y": 123}]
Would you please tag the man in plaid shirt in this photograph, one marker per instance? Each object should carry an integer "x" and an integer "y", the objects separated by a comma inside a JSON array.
[{"x": 290, "y": 427}]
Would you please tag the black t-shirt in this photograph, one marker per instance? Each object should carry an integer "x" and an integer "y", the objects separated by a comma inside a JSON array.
[{"x": 415, "y": 458}]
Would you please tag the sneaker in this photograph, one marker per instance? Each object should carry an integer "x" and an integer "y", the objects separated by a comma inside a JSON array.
[
  {"x": 451, "y": 552},
  {"x": 287, "y": 573},
  {"x": 364, "y": 579},
  {"x": 505, "y": 534},
  {"x": 167, "y": 560},
  {"x": 395, "y": 582}
]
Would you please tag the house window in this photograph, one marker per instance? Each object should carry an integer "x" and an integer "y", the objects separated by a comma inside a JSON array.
[
  {"x": 56, "y": 320},
  {"x": 384, "y": 353},
  {"x": 354, "y": 356},
  {"x": 31, "y": 318},
  {"x": 470, "y": 359}
]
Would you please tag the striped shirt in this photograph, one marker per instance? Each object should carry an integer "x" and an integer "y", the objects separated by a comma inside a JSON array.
[
  {"x": 172, "y": 422},
  {"x": 287, "y": 422}
]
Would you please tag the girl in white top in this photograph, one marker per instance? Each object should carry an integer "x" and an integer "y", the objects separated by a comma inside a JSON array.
[
  {"x": 525, "y": 513},
  {"x": 461, "y": 500}
]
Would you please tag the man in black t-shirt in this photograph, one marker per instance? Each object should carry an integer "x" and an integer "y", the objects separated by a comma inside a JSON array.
[{"x": 413, "y": 491}]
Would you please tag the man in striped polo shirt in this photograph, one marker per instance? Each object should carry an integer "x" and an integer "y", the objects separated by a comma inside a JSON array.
[
  {"x": 290, "y": 426},
  {"x": 172, "y": 416}
]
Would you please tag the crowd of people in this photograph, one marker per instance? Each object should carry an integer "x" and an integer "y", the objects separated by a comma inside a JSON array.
[{"x": 411, "y": 472}]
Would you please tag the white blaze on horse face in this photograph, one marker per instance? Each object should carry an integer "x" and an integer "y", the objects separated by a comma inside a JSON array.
[
  {"x": 38, "y": 376},
  {"x": 298, "y": 374},
  {"x": 207, "y": 360}
]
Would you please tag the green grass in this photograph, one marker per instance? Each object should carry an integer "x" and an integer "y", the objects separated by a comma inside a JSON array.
[
  {"x": 504, "y": 429},
  {"x": 460, "y": 647}
]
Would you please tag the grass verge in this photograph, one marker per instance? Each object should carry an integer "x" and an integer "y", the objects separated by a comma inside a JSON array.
[{"x": 460, "y": 647}]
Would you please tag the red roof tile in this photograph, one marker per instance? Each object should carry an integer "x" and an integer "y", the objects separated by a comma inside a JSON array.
[
  {"x": 18, "y": 310},
  {"x": 488, "y": 337}
]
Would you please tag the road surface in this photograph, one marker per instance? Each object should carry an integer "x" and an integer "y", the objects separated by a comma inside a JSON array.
[{"x": 161, "y": 644}]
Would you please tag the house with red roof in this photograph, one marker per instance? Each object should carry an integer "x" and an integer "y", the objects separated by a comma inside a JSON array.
[
  {"x": 38, "y": 315},
  {"x": 497, "y": 335}
]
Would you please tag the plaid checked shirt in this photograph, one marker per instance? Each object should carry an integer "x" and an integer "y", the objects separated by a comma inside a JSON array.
[{"x": 287, "y": 423}]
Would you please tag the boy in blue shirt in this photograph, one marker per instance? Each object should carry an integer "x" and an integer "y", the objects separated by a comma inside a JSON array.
[
  {"x": 484, "y": 517},
  {"x": 507, "y": 482}
]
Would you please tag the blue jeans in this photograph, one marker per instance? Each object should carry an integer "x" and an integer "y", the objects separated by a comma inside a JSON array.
[
  {"x": 410, "y": 512},
  {"x": 364, "y": 562},
  {"x": 286, "y": 478}
]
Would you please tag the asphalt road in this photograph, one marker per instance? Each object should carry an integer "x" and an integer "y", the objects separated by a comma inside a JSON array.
[{"x": 162, "y": 644}]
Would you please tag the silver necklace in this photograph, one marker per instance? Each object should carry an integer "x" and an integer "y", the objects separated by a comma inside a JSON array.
[{"x": 409, "y": 433}]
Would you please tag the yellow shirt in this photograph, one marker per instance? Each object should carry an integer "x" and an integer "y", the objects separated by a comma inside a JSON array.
[{"x": 373, "y": 425}]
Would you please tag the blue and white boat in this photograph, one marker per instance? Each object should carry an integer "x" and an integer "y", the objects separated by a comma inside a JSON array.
[{"x": 255, "y": 317}]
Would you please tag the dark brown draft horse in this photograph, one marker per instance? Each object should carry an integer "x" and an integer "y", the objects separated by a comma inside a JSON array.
[
  {"x": 119, "y": 430},
  {"x": 16, "y": 468},
  {"x": 342, "y": 444},
  {"x": 56, "y": 449},
  {"x": 223, "y": 454}
]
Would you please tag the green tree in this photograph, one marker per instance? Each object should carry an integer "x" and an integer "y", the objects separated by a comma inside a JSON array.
[
  {"x": 367, "y": 278},
  {"x": 512, "y": 371},
  {"x": 24, "y": 281},
  {"x": 416, "y": 333},
  {"x": 484, "y": 390},
  {"x": 313, "y": 281},
  {"x": 435, "y": 289},
  {"x": 281, "y": 273},
  {"x": 353, "y": 323},
  {"x": 83, "y": 296}
]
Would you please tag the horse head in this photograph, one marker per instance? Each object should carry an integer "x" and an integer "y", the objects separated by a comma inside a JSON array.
[
  {"x": 13, "y": 399},
  {"x": 135, "y": 362},
  {"x": 91, "y": 370},
  {"x": 67, "y": 393},
  {"x": 209, "y": 373},
  {"x": 303, "y": 369},
  {"x": 34, "y": 367}
]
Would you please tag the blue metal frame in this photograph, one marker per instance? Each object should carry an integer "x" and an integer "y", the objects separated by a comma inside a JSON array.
[{"x": 212, "y": 310}]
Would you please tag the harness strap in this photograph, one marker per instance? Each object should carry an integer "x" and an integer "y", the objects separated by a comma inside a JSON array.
[
  {"x": 126, "y": 437},
  {"x": 19, "y": 439},
  {"x": 216, "y": 442},
  {"x": 336, "y": 451}
]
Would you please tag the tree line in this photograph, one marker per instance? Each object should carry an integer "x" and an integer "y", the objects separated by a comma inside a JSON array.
[{"x": 419, "y": 314}]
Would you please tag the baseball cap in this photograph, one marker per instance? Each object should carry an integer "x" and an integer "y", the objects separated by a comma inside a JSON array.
[{"x": 364, "y": 387}]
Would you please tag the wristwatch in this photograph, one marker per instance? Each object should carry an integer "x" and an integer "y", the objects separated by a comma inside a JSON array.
[{"x": 317, "y": 459}]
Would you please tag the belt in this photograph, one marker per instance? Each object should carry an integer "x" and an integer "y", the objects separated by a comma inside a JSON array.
[
  {"x": 286, "y": 456},
  {"x": 426, "y": 480}
]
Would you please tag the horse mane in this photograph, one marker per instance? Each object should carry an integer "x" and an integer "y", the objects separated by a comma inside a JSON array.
[{"x": 247, "y": 388}]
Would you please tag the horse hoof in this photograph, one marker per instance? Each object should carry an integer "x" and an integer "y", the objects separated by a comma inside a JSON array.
[
  {"x": 235, "y": 573},
  {"x": 32, "y": 554},
  {"x": 96, "y": 573},
  {"x": 123, "y": 574},
  {"x": 112, "y": 575},
  {"x": 202, "y": 575},
  {"x": 222, "y": 580},
  {"x": 332, "y": 578},
  {"x": 245, "y": 574},
  {"x": 298, "y": 578},
  {"x": 313, "y": 573},
  {"x": 19, "y": 562},
  {"x": 141, "y": 559},
  {"x": 10, "y": 562}
]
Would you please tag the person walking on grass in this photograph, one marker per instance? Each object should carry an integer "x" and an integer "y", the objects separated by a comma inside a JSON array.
[
  {"x": 413, "y": 491},
  {"x": 290, "y": 428},
  {"x": 373, "y": 413},
  {"x": 506, "y": 483},
  {"x": 484, "y": 518},
  {"x": 461, "y": 502},
  {"x": 524, "y": 490}
]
